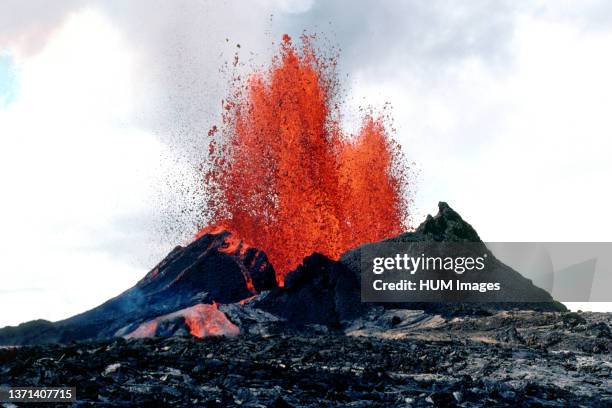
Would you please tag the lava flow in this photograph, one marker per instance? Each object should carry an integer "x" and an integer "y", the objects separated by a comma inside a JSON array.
[
  {"x": 201, "y": 320},
  {"x": 284, "y": 177}
]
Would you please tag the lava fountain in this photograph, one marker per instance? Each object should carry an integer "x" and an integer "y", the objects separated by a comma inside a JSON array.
[{"x": 285, "y": 178}]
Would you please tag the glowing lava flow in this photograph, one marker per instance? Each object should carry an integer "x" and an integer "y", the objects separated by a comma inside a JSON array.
[
  {"x": 283, "y": 176},
  {"x": 202, "y": 320}
]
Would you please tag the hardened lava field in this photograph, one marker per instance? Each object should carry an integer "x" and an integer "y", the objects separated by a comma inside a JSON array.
[{"x": 508, "y": 358}]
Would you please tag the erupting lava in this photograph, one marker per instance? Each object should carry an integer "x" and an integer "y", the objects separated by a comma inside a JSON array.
[{"x": 284, "y": 177}]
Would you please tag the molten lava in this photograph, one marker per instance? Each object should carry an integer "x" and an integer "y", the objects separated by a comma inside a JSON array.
[
  {"x": 202, "y": 321},
  {"x": 207, "y": 320},
  {"x": 284, "y": 177}
]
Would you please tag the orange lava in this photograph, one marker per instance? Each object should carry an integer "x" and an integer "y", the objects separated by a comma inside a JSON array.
[
  {"x": 207, "y": 320},
  {"x": 202, "y": 320},
  {"x": 286, "y": 179}
]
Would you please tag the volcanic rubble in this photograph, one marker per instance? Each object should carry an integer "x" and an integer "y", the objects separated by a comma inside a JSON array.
[{"x": 208, "y": 326}]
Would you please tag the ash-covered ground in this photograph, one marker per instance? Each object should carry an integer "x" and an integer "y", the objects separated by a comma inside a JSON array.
[{"x": 396, "y": 358}]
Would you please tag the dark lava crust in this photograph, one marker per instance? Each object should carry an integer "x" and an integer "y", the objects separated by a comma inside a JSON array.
[{"x": 509, "y": 359}]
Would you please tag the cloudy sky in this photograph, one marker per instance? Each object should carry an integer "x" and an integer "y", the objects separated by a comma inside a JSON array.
[{"x": 504, "y": 107}]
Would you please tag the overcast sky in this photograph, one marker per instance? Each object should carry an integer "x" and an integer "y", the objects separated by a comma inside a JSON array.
[{"x": 504, "y": 107}]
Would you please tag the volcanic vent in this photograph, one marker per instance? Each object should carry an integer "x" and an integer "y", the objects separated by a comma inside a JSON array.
[{"x": 284, "y": 177}]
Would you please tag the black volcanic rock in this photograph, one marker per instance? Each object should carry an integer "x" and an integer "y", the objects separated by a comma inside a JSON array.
[
  {"x": 448, "y": 226},
  {"x": 216, "y": 264},
  {"x": 320, "y": 291},
  {"x": 468, "y": 362},
  {"x": 215, "y": 267}
]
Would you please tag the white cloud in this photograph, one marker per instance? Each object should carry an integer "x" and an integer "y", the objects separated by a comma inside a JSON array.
[
  {"x": 70, "y": 164},
  {"x": 520, "y": 152}
]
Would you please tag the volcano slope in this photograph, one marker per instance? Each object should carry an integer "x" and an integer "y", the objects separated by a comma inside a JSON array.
[
  {"x": 311, "y": 342},
  {"x": 218, "y": 268}
]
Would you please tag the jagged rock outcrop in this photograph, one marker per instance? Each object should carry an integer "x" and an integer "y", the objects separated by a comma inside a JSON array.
[
  {"x": 448, "y": 226},
  {"x": 320, "y": 291}
]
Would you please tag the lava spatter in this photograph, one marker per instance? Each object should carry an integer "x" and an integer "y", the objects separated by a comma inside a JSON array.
[{"x": 284, "y": 177}]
